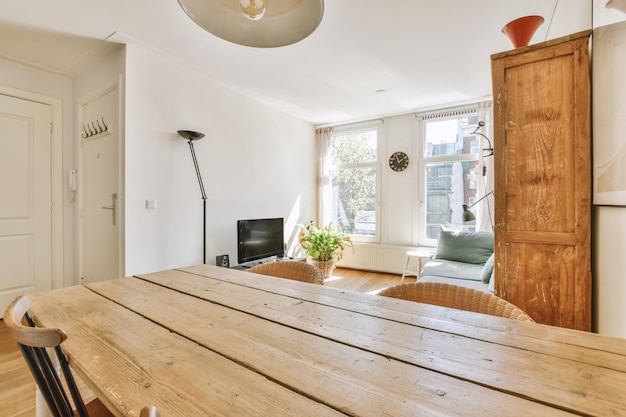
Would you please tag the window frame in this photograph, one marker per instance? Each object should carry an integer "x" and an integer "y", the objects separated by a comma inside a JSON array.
[
  {"x": 355, "y": 128},
  {"x": 424, "y": 160}
]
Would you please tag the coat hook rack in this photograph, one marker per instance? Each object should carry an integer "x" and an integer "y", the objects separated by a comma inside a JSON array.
[{"x": 94, "y": 128}]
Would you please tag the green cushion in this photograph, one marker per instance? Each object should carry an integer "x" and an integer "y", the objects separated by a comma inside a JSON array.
[
  {"x": 462, "y": 246},
  {"x": 488, "y": 270}
]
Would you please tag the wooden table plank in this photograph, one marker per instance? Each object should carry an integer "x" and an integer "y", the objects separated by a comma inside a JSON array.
[
  {"x": 130, "y": 362},
  {"x": 604, "y": 351},
  {"x": 345, "y": 378},
  {"x": 544, "y": 377}
]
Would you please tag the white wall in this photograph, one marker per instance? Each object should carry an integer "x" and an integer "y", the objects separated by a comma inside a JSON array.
[
  {"x": 609, "y": 266},
  {"x": 255, "y": 162},
  {"x": 29, "y": 79},
  {"x": 609, "y": 233},
  {"x": 399, "y": 189}
]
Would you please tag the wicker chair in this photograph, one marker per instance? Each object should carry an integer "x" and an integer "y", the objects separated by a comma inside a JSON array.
[
  {"x": 455, "y": 296},
  {"x": 298, "y": 271}
]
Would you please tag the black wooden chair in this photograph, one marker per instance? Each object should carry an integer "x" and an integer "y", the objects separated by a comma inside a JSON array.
[{"x": 33, "y": 342}]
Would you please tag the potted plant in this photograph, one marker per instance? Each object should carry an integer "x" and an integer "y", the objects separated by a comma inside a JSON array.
[{"x": 323, "y": 245}]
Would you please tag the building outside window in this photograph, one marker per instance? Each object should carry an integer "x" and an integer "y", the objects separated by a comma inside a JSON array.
[{"x": 449, "y": 161}]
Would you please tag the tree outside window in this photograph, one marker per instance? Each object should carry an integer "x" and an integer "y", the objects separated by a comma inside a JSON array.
[{"x": 354, "y": 181}]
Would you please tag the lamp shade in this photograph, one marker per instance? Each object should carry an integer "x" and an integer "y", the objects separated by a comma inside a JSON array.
[
  {"x": 282, "y": 23},
  {"x": 520, "y": 31},
  {"x": 190, "y": 134},
  {"x": 467, "y": 215}
]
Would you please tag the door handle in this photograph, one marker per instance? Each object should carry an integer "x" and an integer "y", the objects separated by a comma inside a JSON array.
[{"x": 113, "y": 207}]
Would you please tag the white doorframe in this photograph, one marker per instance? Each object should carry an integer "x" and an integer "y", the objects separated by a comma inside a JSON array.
[
  {"x": 113, "y": 85},
  {"x": 57, "y": 189}
]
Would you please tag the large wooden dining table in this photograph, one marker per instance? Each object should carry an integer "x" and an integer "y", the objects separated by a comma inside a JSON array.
[{"x": 210, "y": 341}]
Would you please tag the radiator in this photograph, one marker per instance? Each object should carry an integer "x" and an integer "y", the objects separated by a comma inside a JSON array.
[{"x": 381, "y": 258}]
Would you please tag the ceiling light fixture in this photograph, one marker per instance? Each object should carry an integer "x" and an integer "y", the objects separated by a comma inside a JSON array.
[
  {"x": 253, "y": 9},
  {"x": 256, "y": 23},
  {"x": 520, "y": 31}
]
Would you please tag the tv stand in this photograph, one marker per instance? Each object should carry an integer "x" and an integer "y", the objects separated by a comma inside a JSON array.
[{"x": 250, "y": 264}]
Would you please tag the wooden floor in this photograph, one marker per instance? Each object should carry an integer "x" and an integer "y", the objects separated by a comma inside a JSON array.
[
  {"x": 362, "y": 281},
  {"x": 17, "y": 389}
]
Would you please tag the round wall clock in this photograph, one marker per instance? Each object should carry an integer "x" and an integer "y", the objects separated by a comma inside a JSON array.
[{"x": 399, "y": 161}]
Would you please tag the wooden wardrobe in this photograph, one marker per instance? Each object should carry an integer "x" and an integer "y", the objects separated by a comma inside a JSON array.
[{"x": 542, "y": 168}]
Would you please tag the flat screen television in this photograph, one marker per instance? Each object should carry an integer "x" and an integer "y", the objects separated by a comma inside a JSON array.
[{"x": 260, "y": 238}]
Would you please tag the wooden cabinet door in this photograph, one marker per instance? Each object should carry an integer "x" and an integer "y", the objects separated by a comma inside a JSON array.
[{"x": 543, "y": 180}]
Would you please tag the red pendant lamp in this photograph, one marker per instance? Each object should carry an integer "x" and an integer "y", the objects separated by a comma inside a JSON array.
[{"x": 521, "y": 30}]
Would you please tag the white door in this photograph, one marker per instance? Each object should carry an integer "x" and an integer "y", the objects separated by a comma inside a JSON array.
[
  {"x": 25, "y": 198},
  {"x": 100, "y": 199}
]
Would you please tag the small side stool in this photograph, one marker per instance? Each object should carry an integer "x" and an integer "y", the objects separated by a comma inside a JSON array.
[{"x": 420, "y": 254}]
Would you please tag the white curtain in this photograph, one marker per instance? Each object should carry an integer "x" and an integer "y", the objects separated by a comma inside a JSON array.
[
  {"x": 323, "y": 138},
  {"x": 484, "y": 218}
]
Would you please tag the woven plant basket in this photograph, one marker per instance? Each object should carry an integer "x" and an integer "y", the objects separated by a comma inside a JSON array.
[{"x": 325, "y": 266}]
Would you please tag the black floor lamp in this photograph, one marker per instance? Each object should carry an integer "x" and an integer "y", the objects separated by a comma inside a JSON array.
[{"x": 191, "y": 136}]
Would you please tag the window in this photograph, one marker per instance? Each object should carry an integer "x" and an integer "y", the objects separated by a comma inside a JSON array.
[
  {"x": 354, "y": 179},
  {"x": 449, "y": 161}
]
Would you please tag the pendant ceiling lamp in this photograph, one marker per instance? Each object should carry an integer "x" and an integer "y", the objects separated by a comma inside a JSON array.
[
  {"x": 520, "y": 31},
  {"x": 256, "y": 23}
]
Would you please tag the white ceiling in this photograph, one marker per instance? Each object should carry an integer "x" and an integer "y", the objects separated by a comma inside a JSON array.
[{"x": 423, "y": 53}]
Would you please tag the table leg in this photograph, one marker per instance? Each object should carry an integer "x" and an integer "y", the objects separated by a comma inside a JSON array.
[
  {"x": 419, "y": 268},
  {"x": 406, "y": 266}
]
